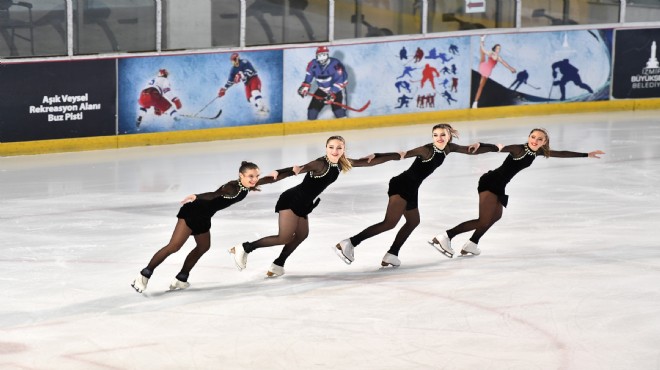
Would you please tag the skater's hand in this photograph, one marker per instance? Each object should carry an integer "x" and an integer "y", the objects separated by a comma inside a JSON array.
[
  {"x": 274, "y": 174},
  {"x": 222, "y": 92},
  {"x": 303, "y": 90},
  {"x": 513, "y": 70},
  {"x": 369, "y": 157},
  {"x": 297, "y": 169},
  {"x": 472, "y": 148},
  {"x": 499, "y": 147},
  {"x": 402, "y": 154},
  {"x": 596, "y": 154},
  {"x": 190, "y": 198},
  {"x": 177, "y": 103}
]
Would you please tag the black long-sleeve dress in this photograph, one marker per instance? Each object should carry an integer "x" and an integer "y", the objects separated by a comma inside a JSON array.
[
  {"x": 302, "y": 198},
  {"x": 198, "y": 214},
  {"x": 520, "y": 157}
]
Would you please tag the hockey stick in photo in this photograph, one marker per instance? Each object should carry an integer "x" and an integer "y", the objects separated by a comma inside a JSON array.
[
  {"x": 551, "y": 87},
  {"x": 200, "y": 111},
  {"x": 196, "y": 115},
  {"x": 532, "y": 86},
  {"x": 340, "y": 104},
  {"x": 202, "y": 117}
]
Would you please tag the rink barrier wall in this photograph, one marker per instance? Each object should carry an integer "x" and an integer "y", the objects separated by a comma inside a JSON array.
[
  {"x": 105, "y": 119},
  {"x": 332, "y": 125}
]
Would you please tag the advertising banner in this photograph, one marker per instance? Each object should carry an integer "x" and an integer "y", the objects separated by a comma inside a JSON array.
[
  {"x": 376, "y": 79},
  {"x": 541, "y": 67},
  {"x": 636, "y": 66},
  {"x": 199, "y": 91},
  {"x": 57, "y": 100}
]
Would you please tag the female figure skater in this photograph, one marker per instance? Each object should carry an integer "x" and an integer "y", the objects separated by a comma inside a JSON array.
[
  {"x": 195, "y": 219},
  {"x": 296, "y": 203},
  {"x": 403, "y": 192},
  {"x": 492, "y": 196},
  {"x": 487, "y": 62}
]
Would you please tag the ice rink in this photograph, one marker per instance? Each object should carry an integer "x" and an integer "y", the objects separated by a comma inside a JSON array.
[{"x": 569, "y": 278}]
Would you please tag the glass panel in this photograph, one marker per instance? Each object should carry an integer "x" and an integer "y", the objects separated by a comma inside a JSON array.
[
  {"x": 643, "y": 11},
  {"x": 225, "y": 23},
  {"x": 369, "y": 18},
  {"x": 447, "y": 16},
  {"x": 286, "y": 21},
  {"x": 114, "y": 26},
  {"x": 187, "y": 24},
  {"x": 27, "y": 28},
  {"x": 541, "y": 13}
]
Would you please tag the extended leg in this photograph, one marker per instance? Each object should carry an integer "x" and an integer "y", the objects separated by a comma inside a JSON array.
[
  {"x": 302, "y": 231},
  {"x": 288, "y": 222},
  {"x": 489, "y": 208},
  {"x": 490, "y": 211},
  {"x": 482, "y": 83},
  {"x": 395, "y": 208},
  {"x": 203, "y": 246},
  {"x": 412, "y": 221},
  {"x": 179, "y": 237}
]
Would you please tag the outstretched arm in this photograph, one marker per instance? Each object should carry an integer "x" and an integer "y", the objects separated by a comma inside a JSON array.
[
  {"x": 513, "y": 70},
  {"x": 317, "y": 166},
  {"x": 476, "y": 148},
  {"x": 570, "y": 154},
  {"x": 229, "y": 189},
  {"x": 277, "y": 175},
  {"x": 375, "y": 159}
]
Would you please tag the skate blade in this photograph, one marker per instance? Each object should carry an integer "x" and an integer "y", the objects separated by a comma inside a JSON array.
[
  {"x": 271, "y": 275},
  {"x": 136, "y": 289},
  {"x": 340, "y": 254},
  {"x": 468, "y": 254},
  {"x": 386, "y": 264},
  {"x": 174, "y": 287},
  {"x": 439, "y": 248}
]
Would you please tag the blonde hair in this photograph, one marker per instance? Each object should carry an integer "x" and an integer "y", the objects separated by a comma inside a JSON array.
[
  {"x": 344, "y": 163},
  {"x": 546, "y": 146},
  {"x": 453, "y": 133}
]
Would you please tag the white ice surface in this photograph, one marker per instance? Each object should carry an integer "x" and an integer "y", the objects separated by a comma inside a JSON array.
[{"x": 568, "y": 279}]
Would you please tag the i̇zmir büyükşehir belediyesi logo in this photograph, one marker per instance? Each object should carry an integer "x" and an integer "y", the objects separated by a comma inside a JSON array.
[{"x": 650, "y": 76}]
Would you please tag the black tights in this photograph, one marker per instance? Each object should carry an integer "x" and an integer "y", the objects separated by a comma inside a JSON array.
[
  {"x": 180, "y": 235},
  {"x": 396, "y": 207},
  {"x": 293, "y": 230},
  {"x": 490, "y": 211}
]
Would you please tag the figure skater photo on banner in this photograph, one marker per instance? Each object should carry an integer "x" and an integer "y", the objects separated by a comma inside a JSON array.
[
  {"x": 546, "y": 67},
  {"x": 487, "y": 62}
]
